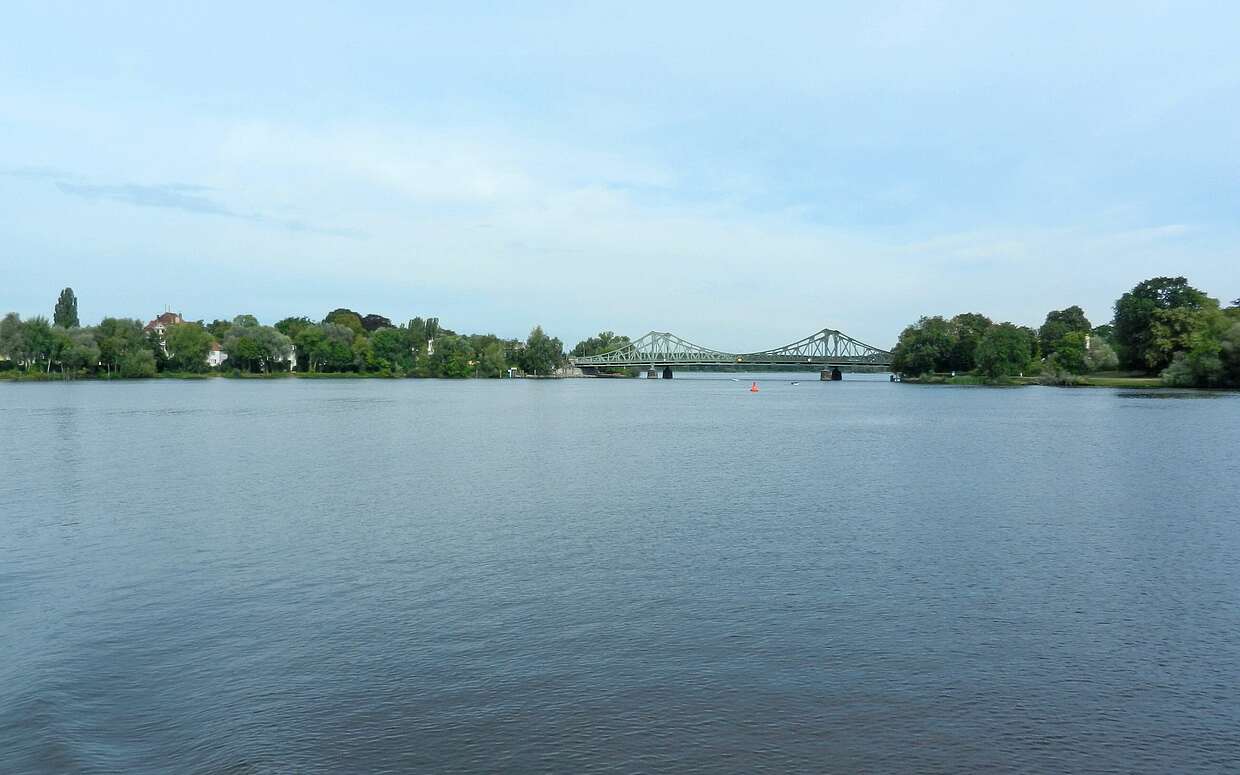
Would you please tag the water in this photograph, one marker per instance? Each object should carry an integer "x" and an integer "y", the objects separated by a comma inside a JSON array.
[{"x": 596, "y": 576}]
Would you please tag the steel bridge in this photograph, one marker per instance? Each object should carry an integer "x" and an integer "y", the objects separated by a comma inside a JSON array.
[{"x": 828, "y": 349}]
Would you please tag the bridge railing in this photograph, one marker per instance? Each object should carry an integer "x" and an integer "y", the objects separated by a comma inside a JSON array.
[{"x": 826, "y": 347}]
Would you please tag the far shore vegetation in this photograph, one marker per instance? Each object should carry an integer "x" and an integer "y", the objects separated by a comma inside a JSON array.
[{"x": 1163, "y": 332}]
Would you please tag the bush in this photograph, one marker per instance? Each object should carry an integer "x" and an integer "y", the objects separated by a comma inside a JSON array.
[{"x": 138, "y": 364}]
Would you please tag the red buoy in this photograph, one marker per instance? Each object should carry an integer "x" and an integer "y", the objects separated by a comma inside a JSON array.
[{"x": 753, "y": 388}]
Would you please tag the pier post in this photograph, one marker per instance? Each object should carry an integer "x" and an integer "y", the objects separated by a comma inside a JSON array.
[
  {"x": 667, "y": 372},
  {"x": 651, "y": 373}
]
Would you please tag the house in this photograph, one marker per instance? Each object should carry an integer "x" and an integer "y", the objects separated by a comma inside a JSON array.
[
  {"x": 216, "y": 355},
  {"x": 163, "y": 322},
  {"x": 160, "y": 325}
]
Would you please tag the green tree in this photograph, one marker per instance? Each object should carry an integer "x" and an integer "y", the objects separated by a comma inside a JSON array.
[
  {"x": 257, "y": 348},
  {"x": 79, "y": 352},
  {"x": 492, "y": 361},
  {"x": 12, "y": 339},
  {"x": 1213, "y": 359},
  {"x": 116, "y": 338},
  {"x": 1134, "y": 318},
  {"x": 38, "y": 342},
  {"x": 66, "y": 315},
  {"x": 326, "y": 347},
  {"x": 61, "y": 344},
  {"x": 391, "y": 349},
  {"x": 1004, "y": 351},
  {"x": 187, "y": 345},
  {"x": 363, "y": 354},
  {"x": 967, "y": 330},
  {"x": 1100, "y": 356},
  {"x": 1068, "y": 352},
  {"x": 605, "y": 341},
  {"x": 924, "y": 347},
  {"x": 452, "y": 357},
  {"x": 137, "y": 363},
  {"x": 245, "y": 321},
  {"x": 219, "y": 328},
  {"x": 542, "y": 353},
  {"x": 292, "y": 326},
  {"x": 1178, "y": 329},
  {"x": 1059, "y": 323},
  {"x": 347, "y": 318},
  {"x": 373, "y": 323}
]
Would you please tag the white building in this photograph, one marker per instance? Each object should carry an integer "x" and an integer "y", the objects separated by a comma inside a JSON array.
[{"x": 216, "y": 355}]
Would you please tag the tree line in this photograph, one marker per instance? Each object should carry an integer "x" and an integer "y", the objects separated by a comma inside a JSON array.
[
  {"x": 342, "y": 342},
  {"x": 1162, "y": 326}
]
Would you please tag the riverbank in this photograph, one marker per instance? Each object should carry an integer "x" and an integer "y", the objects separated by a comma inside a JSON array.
[
  {"x": 1104, "y": 379},
  {"x": 17, "y": 376}
]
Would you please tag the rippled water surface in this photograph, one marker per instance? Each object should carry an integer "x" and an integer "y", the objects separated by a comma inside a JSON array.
[{"x": 596, "y": 576}]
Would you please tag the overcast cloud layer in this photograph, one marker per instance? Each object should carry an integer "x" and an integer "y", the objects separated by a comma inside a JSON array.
[{"x": 742, "y": 175}]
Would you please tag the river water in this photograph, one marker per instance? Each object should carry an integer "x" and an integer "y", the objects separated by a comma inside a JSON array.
[{"x": 617, "y": 576}]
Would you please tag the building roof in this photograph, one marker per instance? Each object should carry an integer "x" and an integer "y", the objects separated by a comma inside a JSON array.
[{"x": 165, "y": 319}]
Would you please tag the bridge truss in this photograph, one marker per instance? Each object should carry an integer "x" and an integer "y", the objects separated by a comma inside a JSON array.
[{"x": 826, "y": 348}]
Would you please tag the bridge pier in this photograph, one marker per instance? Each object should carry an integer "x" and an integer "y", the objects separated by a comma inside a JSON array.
[
  {"x": 832, "y": 374},
  {"x": 667, "y": 372},
  {"x": 651, "y": 373}
]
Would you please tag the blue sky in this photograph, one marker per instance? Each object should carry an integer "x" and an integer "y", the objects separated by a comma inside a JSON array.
[{"x": 741, "y": 174}]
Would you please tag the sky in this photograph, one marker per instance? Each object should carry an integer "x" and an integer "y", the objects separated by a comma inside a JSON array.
[{"x": 741, "y": 174}]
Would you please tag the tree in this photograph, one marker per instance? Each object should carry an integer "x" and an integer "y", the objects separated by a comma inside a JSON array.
[
  {"x": 391, "y": 349},
  {"x": 116, "y": 338},
  {"x": 292, "y": 326},
  {"x": 219, "y": 328},
  {"x": 1069, "y": 353},
  {"x": 137, "y": 363},
  {"x": 453, "y": 357},
  {"x": 326, "y": 346},
  {"x": 363, "y": 354},
  {"x": 1003, "y": 351},
  {"x": 347, "y": 318},
  {"x": 12, "y": 340},
  {"x": 605, "y": 341},
  {"x": 542, "y": 353},
  {"x": 37, "y": 341},
  {"x": 924, "y": 347},
  {"x": 1134, "y": 318},
  {"x": 61, "y": 344},
  {"x": 258, "y": 348},
  {"x": 245, "y": 321},
  {"x": 1061, "y": 322},
  {"x": 492, "y": 361},
  {"x": 1100, "y": 356},
  {"x": 66, "y": 315},
  {"x": 373, "y": 322},
  {"x": 187, "y": 345},
  {"x": 1213, "y": 360},
  {"x": 1178, "y": 329},
  {"x": 79, "y": 351},
  {"x": 967, "y": 330}
]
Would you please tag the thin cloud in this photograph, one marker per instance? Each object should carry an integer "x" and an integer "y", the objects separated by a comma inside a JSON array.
[{"x": 188, "y": 198}]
